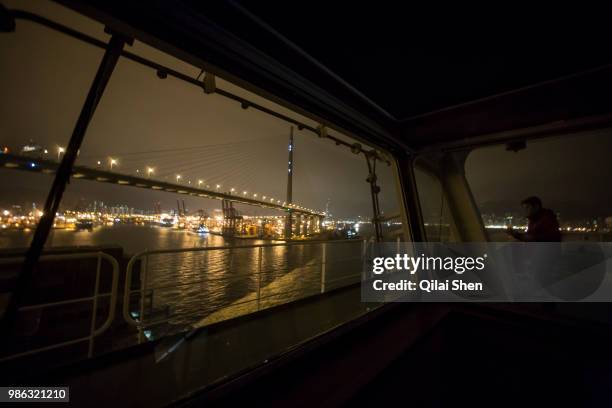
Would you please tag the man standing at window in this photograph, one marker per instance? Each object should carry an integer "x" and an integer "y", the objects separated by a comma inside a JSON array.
[{"x": 543, "y": 225}]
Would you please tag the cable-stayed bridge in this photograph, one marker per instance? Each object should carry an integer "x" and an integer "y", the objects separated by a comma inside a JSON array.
[{"x": 175, "y": 170}]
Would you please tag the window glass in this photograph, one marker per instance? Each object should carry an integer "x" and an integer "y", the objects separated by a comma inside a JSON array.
[
  {"x": 569, "y": 174},
  {"x": 175, "y": 217},
  {"x": 43, "y": 89}
]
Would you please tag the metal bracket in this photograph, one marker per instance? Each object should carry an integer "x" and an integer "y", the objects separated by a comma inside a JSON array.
[
  {"x": 322, "y": 131},
  {"x": 113, "y": 33},
  {"x": 209, "y": 83},
  {"x": 374, "y": 191}
]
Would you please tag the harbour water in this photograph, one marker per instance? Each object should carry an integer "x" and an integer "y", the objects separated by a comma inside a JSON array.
[
  {"x": 195, "y": 288},
  {"x": 132, "y": 238}
]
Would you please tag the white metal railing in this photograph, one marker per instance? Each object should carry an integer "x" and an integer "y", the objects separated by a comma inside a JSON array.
[
  {"x": 93, "y": 330},
  {"x": 144, "y": 257}
]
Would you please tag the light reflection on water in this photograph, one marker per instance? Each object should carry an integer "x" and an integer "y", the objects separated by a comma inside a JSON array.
[
  {"x": 188, "y": 287},
  {"x": 185, "y": 288}
]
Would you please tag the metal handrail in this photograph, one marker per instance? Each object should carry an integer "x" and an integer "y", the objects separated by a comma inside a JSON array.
[
  {"x": 93, "y": 331},
  {"x": 140, "y": 324}
]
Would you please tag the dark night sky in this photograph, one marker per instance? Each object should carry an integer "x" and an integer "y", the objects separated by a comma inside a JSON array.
[{"x": 45, "y": 76}]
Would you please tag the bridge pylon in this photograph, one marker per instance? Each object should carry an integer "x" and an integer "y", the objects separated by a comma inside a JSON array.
[{"x": 289, "y": 219}]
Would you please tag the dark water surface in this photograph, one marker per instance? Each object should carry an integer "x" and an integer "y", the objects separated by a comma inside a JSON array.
[{"x": 194, "y": 288}]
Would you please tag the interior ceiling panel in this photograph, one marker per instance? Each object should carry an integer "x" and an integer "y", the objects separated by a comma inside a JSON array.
[{"x": 411, "y": 64}]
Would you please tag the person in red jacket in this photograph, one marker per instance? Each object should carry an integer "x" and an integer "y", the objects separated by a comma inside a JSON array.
[{"x": 543, "y": 225}]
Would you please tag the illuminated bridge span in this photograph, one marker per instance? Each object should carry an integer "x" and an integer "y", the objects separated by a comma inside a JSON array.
[{"x": 46, "y": 166}]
